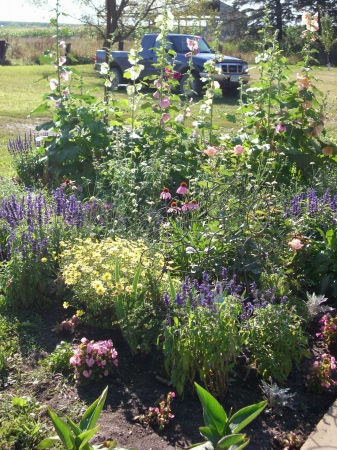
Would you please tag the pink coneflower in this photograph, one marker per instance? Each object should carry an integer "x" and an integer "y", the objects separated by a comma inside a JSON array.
[
  {"x": 182, "y": 189},
  {"x": 210, "y": 151},
  {"x": 165, "y": 194},
  {"x": 164, "y": 118},
  {"x": 280, "y": 128},
  {"x": 190, "y": 206},
  {"x": 238, "y": 150},
  {"x": 173, "y": 208},
  {"x": 165, "y": 102}
]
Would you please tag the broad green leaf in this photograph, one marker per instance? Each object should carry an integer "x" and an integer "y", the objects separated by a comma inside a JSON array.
[
  {"x": 244, "y": 416},
  {"x": 48, "y": 442},
  {"x": 214, "y": 414},
  {"x": 239, "y": 446},
  {"x": 86, "y": 436},
  {"x": 75, "y": 428},
  {"x": 62, "y": 430},
  {"x": 92, "y": 414},
  {"x": 208, "y": 434},
  {"x": 230, "y": 440}
]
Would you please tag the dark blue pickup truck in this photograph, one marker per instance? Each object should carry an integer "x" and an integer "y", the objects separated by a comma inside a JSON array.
[{"x": 231, "y": 70}]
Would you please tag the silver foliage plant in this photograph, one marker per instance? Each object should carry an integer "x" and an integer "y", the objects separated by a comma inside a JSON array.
[
  {"x": 278, "y": 398},
  {"x": 315, "y": 304}
]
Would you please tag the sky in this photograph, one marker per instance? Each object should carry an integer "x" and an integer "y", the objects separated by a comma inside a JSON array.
[{"x": 26, "y": 11}]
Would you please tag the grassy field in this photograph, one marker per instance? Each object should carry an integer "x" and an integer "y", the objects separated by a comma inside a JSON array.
[{"x": 21, "y": 92}]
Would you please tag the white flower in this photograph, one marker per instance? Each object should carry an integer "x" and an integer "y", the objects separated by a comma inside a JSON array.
[
  {"x": 104, "y": 69},
  {"x": 53, "y": 83},
  {"x": 107, "y": 83},
  {"x": 216, "y": 85}
]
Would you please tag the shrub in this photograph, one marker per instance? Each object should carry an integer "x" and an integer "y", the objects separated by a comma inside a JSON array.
[
  {"x": 93, "y": 360},
  {"x": 275, "y": 340},
  {"x": 104, "y": 273},
  {"x": 328, "y": 331},
  {"x": 159, "y": 416},
  {"x": 58, "y": 360}
]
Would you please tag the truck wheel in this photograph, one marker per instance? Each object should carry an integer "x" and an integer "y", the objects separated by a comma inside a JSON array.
[
  {"x": 190, "y": 85},
  {"x": 115, "y": 77}
]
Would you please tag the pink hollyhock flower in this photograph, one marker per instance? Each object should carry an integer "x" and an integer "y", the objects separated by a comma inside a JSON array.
[
  {"x": 87, "y": 373},
  {"x": 165, "y": 102},
  {"x": 90, "y": 362},
  {"x": 84, "y": 340},
  {"x": 210, "y": 151},
  {"x": 64, "y": 75},
  {"x": 165, "y": 118},
  {"x": 177, "y": 75},
  {"x": 280, "y": 128},
  {"x": 238, "y": 150},
  {"x": 167, "y": 71},
  {"x": 57, "y": 104},
  {"x": 295, "y": 244},
  {"x": 193, "y": 44},
  {"x": 53, "y": 83},
  {"x": 62, "y": 60},
  {"x": 156, "y": 94},
  {"x": 89, "y": 347},
  {"x": 158, "y": 84},
  {"x": 182, "y": 189},
  {"x": 165, "y": 194},
  {"x": 66, "y": 92},
  {"x": 179, "y": 118}
]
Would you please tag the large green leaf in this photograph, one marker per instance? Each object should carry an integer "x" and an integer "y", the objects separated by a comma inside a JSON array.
[
  {"x": 228, "y": 441},
  {"x": 92, "y": 414},
  {"x": 48, "y": 442},
  {"x": 214, "y": 414},
  {"x": 86, "y": 436},
  {"x": 244, "y": 416},
  {"x": 207, "y": 432},
  {"x": 62, "y": 430}
]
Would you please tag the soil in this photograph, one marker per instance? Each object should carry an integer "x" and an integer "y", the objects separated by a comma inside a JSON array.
[{"x": 140, "y": 382}]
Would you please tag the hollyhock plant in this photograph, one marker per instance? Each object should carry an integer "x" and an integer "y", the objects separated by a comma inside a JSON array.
[
  {"x": 210, "y": 151},
  {"x": 193, "y": 45},
  {"x": 238, "y": 150},
  {"x": 93, "y": 360},
  {"x": 280, "y": 128},
  {"x": 165, "y": 194},
  {"x": 165, "y": 118},
  {"x": 165, "y": 102},
  {"x": 182, "y": 189},
  {"x": 319, "y": 379},
  {"x": 158, "y": 416}
]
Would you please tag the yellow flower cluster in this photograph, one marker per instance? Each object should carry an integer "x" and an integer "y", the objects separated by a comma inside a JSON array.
[{"x": 89, "y": 267}]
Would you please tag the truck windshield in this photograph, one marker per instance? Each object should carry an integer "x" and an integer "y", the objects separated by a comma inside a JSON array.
[{"x": 180, "y": 44}]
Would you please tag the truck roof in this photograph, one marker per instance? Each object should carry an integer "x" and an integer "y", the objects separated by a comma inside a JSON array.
[{"x": 172, "y": 34}]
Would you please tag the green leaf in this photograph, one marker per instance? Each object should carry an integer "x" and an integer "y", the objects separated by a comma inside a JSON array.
[
  {"x": 48, "y": 442},
  {"x": 75, "y": 428},
  {"x": 230, "y": 440},
  {"x": 214, "y": 414},
  {"x": 244, "y": 416},
  {"x": 62, "y": 430},
  {"x": 43, "y": 107},
  {"x": 204, "y": 446},
  {"x": 117, "y": 271},
  {"x": 92, "y": 414},
  {"x": 136, "y": 279},
  {"x": 207, "y": 433},
  {"x": 86, "y": 436}
]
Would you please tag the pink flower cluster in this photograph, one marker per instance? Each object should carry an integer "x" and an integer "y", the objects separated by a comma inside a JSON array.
[
  {"x": 174, "y": 208},
  {"x": 328, "y": 332},
  {"x": 320, "y": 375},
  {"x": 68, "y": 325},
  {"x": 163, "y": 88},
  {"x": 193, "y": 45},
  {"x": 93, "y": 359},
  {"x": 159, "y": 416}
]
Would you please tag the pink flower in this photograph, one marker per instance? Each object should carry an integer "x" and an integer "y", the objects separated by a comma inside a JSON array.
[
  {"x": 156, "y": 94},
  {"x": 64, "y": 75},
  {"x": 167, "y": 71},
  {"x": 165, "y": 194},
  {"x": 188, "y": 112},
  {"x": 177, "y": 75},
  {"x": 172, "y": 394},
  {"x": 165, "y": 118},
  {"x": 87, "y": 373},
  {"x": 158, "y": 84},
  {"x": 62, "y": 44},
  {"x": 192, "y": 44},
  {"x": 66, "y": 92},
  {"x": 165, "y": 102},
  {"x": 179, "y": 118},
  {"x": 57, "y": 103},
  {"x": 210, "y": 151},
  {"x": 53, "y": 83},
  {"x": 62, "y": 60},
  {"x": 238, "y": 150},
  {"x": 316, "y": 364},
  {"x": 90, "y": 362},
  {"x": 84, "y": 340},
  {"x": 295, "y": 244},
  {"x": 182, "y": 189},
  {"x": 173, "y": 208},
  {"x": 280, "y": 128}
]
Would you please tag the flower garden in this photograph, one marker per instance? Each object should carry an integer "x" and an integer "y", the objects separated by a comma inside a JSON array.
[{"x": 156, "y": 262}]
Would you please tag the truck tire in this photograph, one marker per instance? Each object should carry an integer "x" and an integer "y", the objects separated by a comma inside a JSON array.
[
  {"x": 116, "y": 77},
  {"x": 190, "y": 87}
]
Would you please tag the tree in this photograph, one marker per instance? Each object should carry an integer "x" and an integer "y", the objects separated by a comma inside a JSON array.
[
  {"x": 319, "y": 6},
  {"x": 327, "y": 36},
  {"x": 280, "y": 12}
]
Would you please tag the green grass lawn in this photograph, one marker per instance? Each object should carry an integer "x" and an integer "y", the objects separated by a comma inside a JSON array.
[{"x": 21, "y": 92}]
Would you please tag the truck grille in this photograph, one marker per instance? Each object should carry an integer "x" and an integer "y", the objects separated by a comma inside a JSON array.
[{"x": 231, "y": 68}]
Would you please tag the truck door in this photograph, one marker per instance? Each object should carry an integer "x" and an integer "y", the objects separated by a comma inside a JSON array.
[{"x": 148, "y": 55}]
